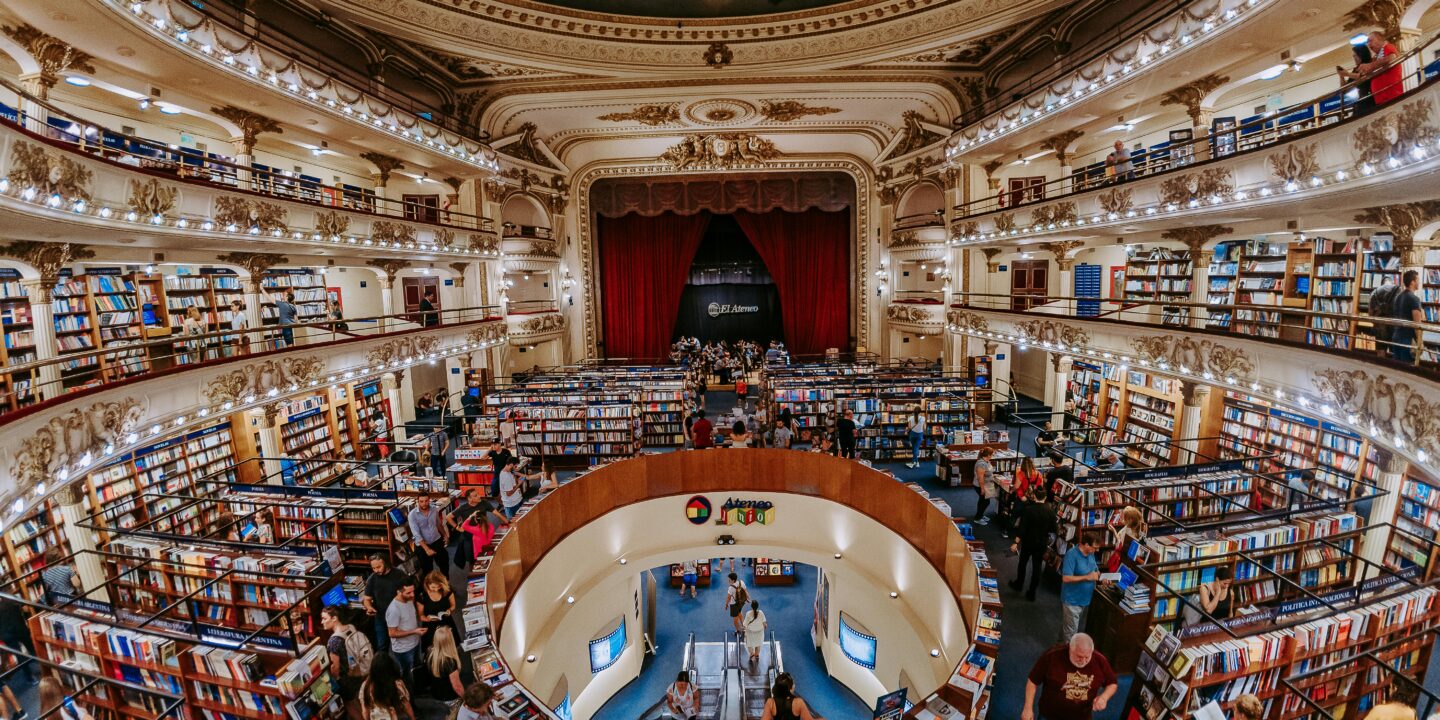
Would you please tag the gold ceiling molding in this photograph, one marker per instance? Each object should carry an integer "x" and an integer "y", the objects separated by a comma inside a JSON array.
[
  {"x": 54, "y": 56},
  {"x": 390, "y": 266},
  {"x": 459, "y": 268},
  {"x": 255, "y": 264},
  {"x": 31, "y": 165},
  {"x": 1392, "y": 408},
  {"x": 547, "y": 323},
  {"x": 913, "y": 134},
  {"x": 967, "y": 321},
  {"x": 1060, "y": 143},
  {"x": 651, "y": 115},
  {"x": 487, "y": 333},
  {"x": 71, "y": 436},
  {"x": 527, "y": 147},
  {"x": 1061, "y": 249},
  {"x": 1295, "y": 163},
  {"x": 247, "y": 214},
  {"x": 1004, "y": 222},
  {"x": 976, "y": 91},
  {"x": 1200, "y": 185},
  {"x": 791, "y": 110},
  {"x": 720, "y": 111},
  {"x": 257, "y": 379},
  {"x": 1196, "y": 355},
  {"x": 992, "y": 264},
  {"x": 1385, "y": 14},
  {"x": 1037, "y": 331},
  {"x": 1395, "y": 134},
  {"x": 151, "y": 198},
  {"x": 384, "y": 165},
  {"x": 486, "y": 244},
  {"x": 403, "y": 348},
  {"x": 444, "y": 238},
  {"x": 718, "y": 55},
  {"x": 964, "y": 229},
  {"x": 909, "y": 313},
  {"x": 721, "y": 151},
  {"x": 1191, "y": 96},
  {"x": 968, "y": 52},
  {"x": 1403, "y": 221},
  {"x": 251, "y": 124}
]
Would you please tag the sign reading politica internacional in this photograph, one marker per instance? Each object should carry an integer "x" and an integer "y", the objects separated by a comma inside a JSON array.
[{"x": 718, "y": 309}]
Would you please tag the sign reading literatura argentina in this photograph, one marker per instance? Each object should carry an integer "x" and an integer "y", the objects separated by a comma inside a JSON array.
[{"x": 718, "y": 309}]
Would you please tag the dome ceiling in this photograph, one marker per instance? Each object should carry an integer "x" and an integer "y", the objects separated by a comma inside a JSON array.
[{"x": 687, "y": 9}]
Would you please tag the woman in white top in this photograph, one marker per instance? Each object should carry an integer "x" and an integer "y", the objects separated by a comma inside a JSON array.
[
  {"x": 917, "y": 438},
  {"x": 755, "y": 628},
  {"x": 739, "y": 435},
  {"x": 237, "y": 344},
  {"x": 193, "y": 326},
  {"x": 683, "y": 698}
]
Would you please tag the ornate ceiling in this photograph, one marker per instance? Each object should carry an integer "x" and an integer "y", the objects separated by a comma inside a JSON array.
[{"x": 692, "y": 8}]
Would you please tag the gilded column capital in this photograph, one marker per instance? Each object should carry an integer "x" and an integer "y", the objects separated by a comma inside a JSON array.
[
  {"x": 1192, "y": 95},
  {"x": 1061, "y": 249},
  {"x": 255, "y": 264},
  {"x": 459, "y": 268},
  {"x": 390, "y": 266},
  {"x": 1385, "y": 14},
  {"x": 251, "y": 124},
  {"x": 1060, "y": 144},
  {"x": 1403, "y": 221},
  {"x": 54, "y": 56},
  {"x": 991, "y": 264},
  {"x": 384, "y": 165},
  {"x": 1194, "y": 238},
  {"x": 46, "y": 257}
]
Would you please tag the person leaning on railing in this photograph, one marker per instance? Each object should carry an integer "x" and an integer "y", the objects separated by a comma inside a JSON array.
[{"x": 1407, "y": 307}]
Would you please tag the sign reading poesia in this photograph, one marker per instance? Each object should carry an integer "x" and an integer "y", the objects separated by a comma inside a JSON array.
[{"x": 718, "y": 309}]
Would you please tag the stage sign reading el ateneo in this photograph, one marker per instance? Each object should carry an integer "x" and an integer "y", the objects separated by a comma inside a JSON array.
[{"x": 716, "y": 309}]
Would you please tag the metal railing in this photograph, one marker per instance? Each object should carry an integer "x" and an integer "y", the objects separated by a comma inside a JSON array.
[
  {"x": 1339, "y": 333},
  {"x": 1271, "y": 128},
  {"x": 531, "y": 307},
  {"x": 47, "y": 379},
  {"x": 67, "y": 129}
]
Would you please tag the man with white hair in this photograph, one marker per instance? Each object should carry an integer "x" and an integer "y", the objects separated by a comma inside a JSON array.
[{"x": 1074, "y": 682}]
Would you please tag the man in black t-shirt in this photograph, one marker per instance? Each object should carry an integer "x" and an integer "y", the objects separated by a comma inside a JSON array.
[
  {"x": 499, "y": 456},
  {"x": 1407, "y": 307},
  {"x": 1045, "y": 441},
  {"x": 1032, "y": 536},
  {"x": 380, "y": 590},
  {"x": 845, "y": 434}
]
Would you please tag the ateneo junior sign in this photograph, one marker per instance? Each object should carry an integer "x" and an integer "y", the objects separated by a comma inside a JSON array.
[
  {"x": 718, "y": 309},
  {"x": 698, "y": 511}
]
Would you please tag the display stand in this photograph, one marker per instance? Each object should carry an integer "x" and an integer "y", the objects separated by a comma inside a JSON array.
[{"x": 770, "y": 571}]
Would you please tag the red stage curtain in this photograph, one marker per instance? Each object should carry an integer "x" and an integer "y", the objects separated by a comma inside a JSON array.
[
  {"x": 808, "y": 254},
  {"x": 644, "y": 262}
]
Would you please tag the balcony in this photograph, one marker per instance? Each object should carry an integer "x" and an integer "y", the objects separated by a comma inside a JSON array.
[
  {"x": 534, "y": 321},
  {"x": 920, "y": 313},
  {"x": 918, "y": 237},
  {"x": 528, "y": 248},
  {"x": 1319, "y": 154}
]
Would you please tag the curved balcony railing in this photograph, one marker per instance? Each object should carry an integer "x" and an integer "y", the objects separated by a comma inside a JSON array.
[
  {"x": 43, "y": 382},
  {"x": 1254, "y": 134},
  {"x": 65, "y": 129},
  {"x": 1343, "y": 334}
]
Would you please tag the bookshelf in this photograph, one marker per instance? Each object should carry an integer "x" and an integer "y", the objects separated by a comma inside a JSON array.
[
  {"x": 27, "y": 539},
  {"x": 1224, "y": 273},
  {"x": 75, "y": 333},
  {"x": 662, "y": 418},
  {"x": 309, "y": 287},
  {"x": 371, "y": 407},
  {"x": 17, "y": 324},
  {"x": 1140, "y": 407},
  {"x": 596, "y": 430},
  {"x": 1334, "y": 290},
  {"x": 1291, "y": 441},
  {"x": 1418, "y": 513},
  {"x": 1380, "y": 265},
  {"x": 1260, "y": 280},
  {"x": 1161, "y": 275},
  {"x": 772, "y": 571},
  {"x": 1083, "y": 387},
  {"x": 308, "y": 435},
  {"x": 127, "y": 489},
  {"x": 1430, "y": 301}
]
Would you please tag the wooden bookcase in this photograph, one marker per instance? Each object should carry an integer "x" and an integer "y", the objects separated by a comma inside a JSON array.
[
  {"x": 309, "y": 287},
  {"x": 1430, "y": 302},
  {"x": 308, "y": 435},
  {"x": 1333, "y": 289},
  {"x": 17, "y": 324},
  {"x": 1418, "y": 513},
  {"x": 1162, "y": 274},
  {"x": 1224, "y": 273},
  {"x": 370, "y": 406},
  {"x": 27, "y": 539},
  {"x": 1083, "y": 387},
  {"x": 1263, "y": 266},
  {"x": 1140, "y": 407},
  {"x": 1291, "y": 441}
]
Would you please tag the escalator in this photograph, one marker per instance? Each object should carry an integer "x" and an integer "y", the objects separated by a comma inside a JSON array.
[{"x": 731, "y": 687}]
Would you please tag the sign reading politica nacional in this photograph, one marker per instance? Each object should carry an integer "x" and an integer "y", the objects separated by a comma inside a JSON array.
[{"x": 718, "y": 309}]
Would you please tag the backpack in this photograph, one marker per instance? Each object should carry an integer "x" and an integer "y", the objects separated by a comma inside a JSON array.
[
  {"x": 1382, "y": 301},
  {"x": 358, "y": 653}
]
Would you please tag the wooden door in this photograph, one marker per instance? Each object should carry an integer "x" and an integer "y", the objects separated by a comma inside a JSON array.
[
  {"x": 1029, "y": 283},
  {"x": 425, "y": 208},
  {"x": 1025, "y": 189},
  {"x": 414, "y": 289}
]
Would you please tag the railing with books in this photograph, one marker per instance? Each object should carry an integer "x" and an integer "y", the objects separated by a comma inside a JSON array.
[
  {"x": 1302, "y": 595},
  {"x": 66, "y": 129},
  {"x": 253, "y": 673},
  {"x": 86, "y": 687},
  {"x": 150, "y": 348},
  {"x": 1293, "y": 326},
  {"x": 1224, "y": 140}
]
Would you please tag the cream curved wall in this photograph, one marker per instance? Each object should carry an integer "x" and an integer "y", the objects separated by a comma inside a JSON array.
[{"x": 655, "y": 532}]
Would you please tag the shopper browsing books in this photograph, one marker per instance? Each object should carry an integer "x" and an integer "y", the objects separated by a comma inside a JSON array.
[
  {"x": 1213, "y": 598},
  {"x": 1036, "y": 520},
  {"x": 1132, "y": 526},
  {"x": 437, "y": 606},
  {"x": 739, "y": 435},
  {"x": 512, "y": 487},
  {"x": 402, "y": 619},
  {"x": 350, "y": 656},
  {"x": 915, "y": 433},
  {"x": 1078, "y": 573},
  {"x": 475, "y": 704},
  {"x": 689, "y": 578},
  {"x": 986, "y": 482},
  {"x": 441, "y": 669},
  {"x": 845, "y": 434},
  {"x": 702, "y": 432},
  {"x": 682, "y": 698},
  {"x": 1073, "y": 682},
  {"x": 380, "y": 591},
  {"x": 431, "y": 535}
]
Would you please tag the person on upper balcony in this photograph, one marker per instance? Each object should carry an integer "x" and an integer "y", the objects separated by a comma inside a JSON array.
[
  {"x": 1407, "y": 307},
  {"x": 1385, "y": 76}
]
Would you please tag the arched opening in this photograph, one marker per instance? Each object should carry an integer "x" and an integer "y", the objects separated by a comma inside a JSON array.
[{"x": 521, "y": 212}]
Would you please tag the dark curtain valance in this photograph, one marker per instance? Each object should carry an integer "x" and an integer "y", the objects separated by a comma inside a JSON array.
[{"x": 755, "y": 192}]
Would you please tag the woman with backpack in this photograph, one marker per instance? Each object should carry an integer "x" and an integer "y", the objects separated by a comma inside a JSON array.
[
  {"x": 737, "y": 596},
  {"x": 350, "y": 657}
]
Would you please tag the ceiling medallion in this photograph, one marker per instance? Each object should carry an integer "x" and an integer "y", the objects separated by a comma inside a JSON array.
[
  {"x": 720, "y": 150},
  {"x": 720, "y": 111}
]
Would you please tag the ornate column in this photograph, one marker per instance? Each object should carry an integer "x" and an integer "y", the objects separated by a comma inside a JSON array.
[
  {"x": 1065, "y": 262},
  {"x": 1192, "y": 98},
  {"x": 1060, "y": 365},
  {"x": 251, "y": 125},
  {"x": 1195, "y": 239},
  {"x": 71, "y": 500},
  {"x": 384, "y": 165},
  {"x": 253, "y": 266},
  {"x": 48, "y": 259},
  {"x": 267, "y": 421},
  {"x": 55, "y": 58},
  {"x": 402, "y": 408},
  {"x": 389, "y": 269},
  {"x": 1061, "y": 145},
  {"x": 1195, "y": 396},
  {"x": 469, "y": 292},
  {"x": 992, "y": 270},
  {"x": 1390, "y": 479},
  {"x": 999, "y": 368}
]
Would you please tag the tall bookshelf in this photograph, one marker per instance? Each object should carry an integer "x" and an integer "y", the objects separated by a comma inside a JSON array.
[
  {"x": 75, "y": 334},
  {"x": 1083, "y": 387},
  {"x": 1418, "y": 513},
  {"x": 309, "y": 287},
  {"x": 1430, "y": 301},
  {"x": 309, "y": 436},
  {"x": 27, "y": 539},
  {"x": 1334, "y": 290},
  {"x": 127, "y": 489},
  {"x": 1224, "y": 273},
  {"x": 1380, "y": 265},
  {"x": 1260, "y": 280},
  {"x": 1141, "y": 408},
  {"x": 594, "y": 430},
  {"x": 662, "y": 418},
  {"x": 370, "y": 407},
  {"x": 1292, "y": 441},
  {"x": 17, "y": 324},
  {"x": 1163, "y": 275}
]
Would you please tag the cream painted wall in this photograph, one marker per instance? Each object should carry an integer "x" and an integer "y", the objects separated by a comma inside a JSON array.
[
  {"x": 655, "y": 533},
  {"x": 1030, "y": 372},
  {"x": 356, "y": 301}
]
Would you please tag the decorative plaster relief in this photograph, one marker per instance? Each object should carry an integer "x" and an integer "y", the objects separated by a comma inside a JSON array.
[
  {"x": 260, "y": 378},
  {"x": 1184, "y": 351},
  {"x": 1391, "y": 408},
  {"x": 71, "y": 436}
]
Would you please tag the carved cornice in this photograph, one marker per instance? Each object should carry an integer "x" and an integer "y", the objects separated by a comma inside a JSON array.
[
  {"x": 1181, "y": 189},
  {"x": 384, "y": 165},
  {"x": 329, "y": 223},
  {"x": 47, "y": 258},
  {"x": 651, "y": 115},
  {"x": 390, "y": 266},
  {"x": 251, "y": 124},
  {"x": 31, "y": 165},
  {"x": 964, "y": 229},
  {"x": 720, "y": 151},
  {"x": 255, "y": 264},
  {"x": 1043, "y": 331},
  {"x": 1395, "y": 134},
  {"x": 395, "y": 232},
  {"x": 150, "y": 198},
  {"x": 444, "y": 238},
  {"x": 1061, "y": 143},
  {"x": 1004, "y": 222},
  {"x": 1391, "y": 408},
  {"x": 913, "y": 134},
  {"x": 527, "y": 147},
  {"x": 965, "y": 320},
  {"x": 487, "y": 245},
  {"x": 1116, "y": 201},
  {"x": 912, "y": 313},
  {"x": 257, "y": 379},
  {"x": 404, "y": 348},
  {"x": 791, "y": 110},
  {"x": 1192, "y": 96},
  {"x": 247, "y": 214},
  {"x": 1295, "y": 164},
  {"x": 1053, "y": 214},
  {"x": 68, "y": 437},
  {"x": 1194, "y": 238},
  {"x": 539, "y": 325},
  {"x": 54, "y": 56},
  {"x": 1061, "y": 249},
  {"x": 718, "y": 55},
  {"x": 1188, "y": 354},
  {"x": 487, "y": 333},
  {"x": 1385, "y": 14}
]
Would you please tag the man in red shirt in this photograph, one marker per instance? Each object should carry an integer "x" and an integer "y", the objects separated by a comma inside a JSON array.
[
  {"x": 1074, "y": 681},
  {"x": 1387, "y": 77},
  {"x": 701, "y": 433}
]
